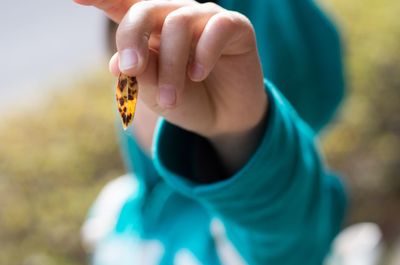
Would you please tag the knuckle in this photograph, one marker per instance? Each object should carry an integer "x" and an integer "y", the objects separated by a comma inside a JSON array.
[
  {"x": 225, "y": 21},
  {"x": 125, "y": 36},
  {"x": 211, "y": 6},
  {"x": 170, "y": 71},
  {"x": 138, "y": 11},
  {"x": 142, "y": 6},
  {"x": 242, "y": 21},
  {"x": 178, "y": 19},
  {"x": 232, "y": 19},
  {"x": 170, "y": 64}
]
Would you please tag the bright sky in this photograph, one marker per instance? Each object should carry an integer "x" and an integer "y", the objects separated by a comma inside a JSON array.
[{"x": 42, "y": 41}]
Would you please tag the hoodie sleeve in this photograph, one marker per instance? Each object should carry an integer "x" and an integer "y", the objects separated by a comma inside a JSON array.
[{"x": 282, "y": 207}]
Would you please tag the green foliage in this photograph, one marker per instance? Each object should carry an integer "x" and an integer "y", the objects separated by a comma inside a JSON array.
[
  {"x": 365, "y": 142},
  {"x": 53, "y": 162}
]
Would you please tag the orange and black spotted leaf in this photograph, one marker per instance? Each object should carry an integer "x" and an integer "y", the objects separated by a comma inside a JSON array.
[{"x": 126, "y": 96}]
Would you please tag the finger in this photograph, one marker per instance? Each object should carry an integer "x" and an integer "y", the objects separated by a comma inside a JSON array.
[
  {"x": 148, "y": 82},
  {"x": 113, "y": 65},
  {"x": 179, "y": 32},
  {"x": 220, "y": 36},
  {"x": 114, "y": 9},
  {"x": 133, "y": 34},
  {"x": 174, "y": 52}
]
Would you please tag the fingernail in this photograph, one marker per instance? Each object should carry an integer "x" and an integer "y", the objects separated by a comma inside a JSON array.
[
  {"x": 197, "y": 71},
  {"x": 128, "y": 59},
  {"x": 167, "y": 96}
]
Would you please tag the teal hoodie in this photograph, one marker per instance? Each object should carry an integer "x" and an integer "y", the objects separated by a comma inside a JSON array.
[{"x": 283, "y": 206}]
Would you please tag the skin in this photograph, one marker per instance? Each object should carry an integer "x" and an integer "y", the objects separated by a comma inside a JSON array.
[{"x": 197, "y": 65}]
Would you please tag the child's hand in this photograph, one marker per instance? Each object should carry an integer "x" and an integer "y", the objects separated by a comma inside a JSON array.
[
  {"x": 114, "y": 9},
  {"x": 197, "y": 65}
]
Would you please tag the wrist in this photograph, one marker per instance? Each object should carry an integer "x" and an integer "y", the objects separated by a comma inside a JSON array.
[{"x": 235, "y": 147}]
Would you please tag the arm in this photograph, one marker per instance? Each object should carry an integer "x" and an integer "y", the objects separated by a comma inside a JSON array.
[
  {"x": 281, "y": 207},
  {"x": 197, "y": 66}
]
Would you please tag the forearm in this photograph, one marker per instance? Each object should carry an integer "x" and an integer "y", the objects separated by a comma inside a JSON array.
[
  {"x": 280, "y": 200},
  {"x": 234, "y": 149}
]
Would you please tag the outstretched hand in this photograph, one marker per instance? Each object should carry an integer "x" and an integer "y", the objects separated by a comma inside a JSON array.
[{"x": 197, "y": 65}]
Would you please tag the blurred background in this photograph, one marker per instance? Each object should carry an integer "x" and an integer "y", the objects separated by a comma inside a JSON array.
[{"x": 56, "y": 102}]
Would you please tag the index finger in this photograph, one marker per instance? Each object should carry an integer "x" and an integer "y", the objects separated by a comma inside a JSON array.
[
  {"x": 134, "y": 31},
  {"x": 114, "y": 9}
]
